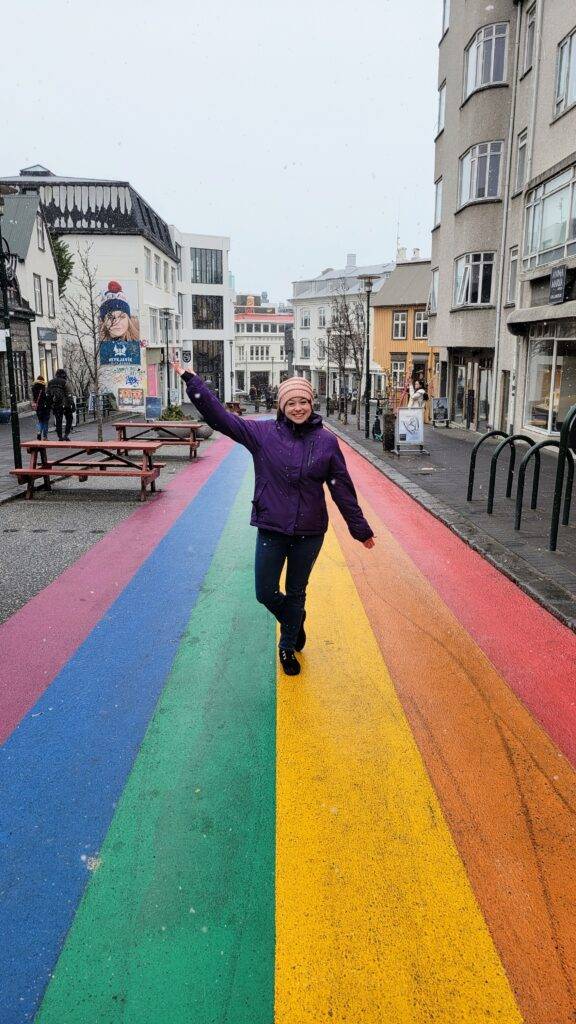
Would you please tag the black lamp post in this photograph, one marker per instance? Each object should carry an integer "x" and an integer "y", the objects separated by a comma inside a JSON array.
[
  {"x": 166, "y": 318},
  {"x": 328, "y": 333},
  {"x": 8, "y": 264},
  {"x": 368, "y": 282},
  {"x": 231, "y": 370}
]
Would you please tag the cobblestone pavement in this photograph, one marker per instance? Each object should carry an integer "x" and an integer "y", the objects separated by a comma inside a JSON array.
[{"x": 439, "y": 481}]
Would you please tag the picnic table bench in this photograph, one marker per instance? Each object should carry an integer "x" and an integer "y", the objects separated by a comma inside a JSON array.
[
  {"x": 165, "y": 432},
  {"x": 236, "y": 407},
  {"x": 90, "y": 458}
]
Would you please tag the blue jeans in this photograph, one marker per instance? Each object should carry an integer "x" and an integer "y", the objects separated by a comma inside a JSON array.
[
  {"x": 42, "y": 427},
  {"x": 272, "y": 551}
]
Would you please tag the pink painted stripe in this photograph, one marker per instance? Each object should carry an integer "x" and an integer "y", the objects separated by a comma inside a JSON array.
[
  {"x": 531, "y": 649},
  {"x": 40, "y": 638}
]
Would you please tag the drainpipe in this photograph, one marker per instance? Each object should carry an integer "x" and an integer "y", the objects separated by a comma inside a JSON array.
[
  {"x": 504, "y": 237},
  {"x": 530, "y": 154}
]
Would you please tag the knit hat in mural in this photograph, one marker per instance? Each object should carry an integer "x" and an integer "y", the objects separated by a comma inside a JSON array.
[
  {"x": 294, "y": 387},
  {"x": 114, "y": 299}
]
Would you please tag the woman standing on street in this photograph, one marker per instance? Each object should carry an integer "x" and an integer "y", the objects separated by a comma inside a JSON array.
[
  {"x": 41, "y": 407},
  {"x": 294, "y": 456}
]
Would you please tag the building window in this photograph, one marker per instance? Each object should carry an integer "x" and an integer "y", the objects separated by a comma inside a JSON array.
[
  {"x": 445, "y": 15},
  {"x": 50, "y": 297},
  {"x": 305, "y": 348},
  {"x": 157, "y": 270},
  {"x": 485, "y": 58},
  {"x": 181, "y": 307},
  {"x": 21, "y": 376},
  {"x": 40, "y": 232},
  {"x": 398, "y": 366},
  {"x": 420, "y": 324},
  {"x": 305, "y": 318},
  {"x": 480, "y": 172},
  {"x": 147, "y": 264},
  {"x": 521, "y": 159},
  {"x": 249, "y": 328},
  {"x": 240, "y": 352},
  {"x": 433, "y": 296},
  {"x": 512, "y": 273},
  {"x": 273, "y": 328},
  {"x": 206, "y": 266},
  {"x": 441, "y": 108},
  {"x": 154, "y": 326},
  {"x": 38, "y": 308},
  {"x": 281, "y": 328},
  {"x": 265, "y": 328},
  {"x": 473, "y": 279},
  {"x": 178, "y": 250},
  {"x": 173, "y": 280},
  {"x": 321, "y": 344},
  {"x": 166, "y": 277},
  {"x": 257, "y": 328},
  {"x": 399, "y": 324},
  {"x": 550, "y": 378},
  {"x": 437, "y": 202},
  {"x": 207, "y": 312},
  {"x": 566, "y": 73},
  {"x": 550, "y": 228},
  {"x": 322, "y": 317},
  {"x": 529, "y": 38}
]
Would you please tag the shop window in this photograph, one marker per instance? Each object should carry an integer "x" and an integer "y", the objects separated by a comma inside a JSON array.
[{"x": 550, "y": 379}]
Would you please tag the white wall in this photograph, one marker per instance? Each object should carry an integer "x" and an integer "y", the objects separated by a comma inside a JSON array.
[{"x": 41, "y": 263}]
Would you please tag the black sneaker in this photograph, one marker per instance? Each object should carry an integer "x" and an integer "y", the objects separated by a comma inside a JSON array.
[
  {"x": 289, "y": 663},
  {"x": 301, "y": 635},
  {"x": 66, "y": 437}
]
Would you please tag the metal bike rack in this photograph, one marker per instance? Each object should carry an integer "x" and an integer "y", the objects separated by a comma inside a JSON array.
[
  {"x": 494, "y": 464},
  {"x": 564, "y": 448},
  {"x": 472, "y": 471},
  {"x": 535, "y": 451}
]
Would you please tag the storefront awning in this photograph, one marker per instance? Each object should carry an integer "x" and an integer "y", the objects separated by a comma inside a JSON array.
[{"x": 520, "y": 319}]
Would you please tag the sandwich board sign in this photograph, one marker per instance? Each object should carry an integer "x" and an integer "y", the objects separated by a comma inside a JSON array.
[{"x": 410, "y": 432}]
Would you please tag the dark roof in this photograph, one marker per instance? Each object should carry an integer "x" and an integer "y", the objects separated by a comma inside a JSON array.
[
  {"x": 408, "y": 285},
  {"x": 18, "y": 222},
  {"x": 91, "y": 206}
]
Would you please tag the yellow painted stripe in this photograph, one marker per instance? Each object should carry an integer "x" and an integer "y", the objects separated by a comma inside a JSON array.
[{"x": 375, "y": 917}]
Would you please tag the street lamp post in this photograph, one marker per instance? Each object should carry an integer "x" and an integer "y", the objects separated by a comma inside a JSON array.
[
  {"x": 368, "y": 282},
  {"x": 166, "y": 319},
  {"x": 328, "y": 334},
  {"x": 232, "y": 371},
  {"x": 272, "y": 382},
  {"x": 8, "y": 262}
]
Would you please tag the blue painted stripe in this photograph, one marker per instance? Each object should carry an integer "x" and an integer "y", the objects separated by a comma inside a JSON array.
[{"x": 63, "y": 770}]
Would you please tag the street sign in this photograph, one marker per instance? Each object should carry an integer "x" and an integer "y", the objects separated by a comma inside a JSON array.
[
  {"x": 557, "y": 285},
  {"x": 153, "y": 408}
]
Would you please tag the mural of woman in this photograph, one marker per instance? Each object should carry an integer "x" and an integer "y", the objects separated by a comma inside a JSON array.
[{"x": 116, "y": 321}]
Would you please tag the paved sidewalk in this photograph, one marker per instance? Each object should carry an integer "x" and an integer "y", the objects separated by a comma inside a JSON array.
[{"x": 439, "y": 482}]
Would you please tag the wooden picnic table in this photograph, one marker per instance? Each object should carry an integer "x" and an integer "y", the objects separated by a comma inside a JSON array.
[
  {"x": 90, "y": 458},
  {"x": 165, "y": 431}
]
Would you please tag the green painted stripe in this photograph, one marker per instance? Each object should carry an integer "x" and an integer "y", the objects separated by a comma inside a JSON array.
[{"x": 177, "y": 923}]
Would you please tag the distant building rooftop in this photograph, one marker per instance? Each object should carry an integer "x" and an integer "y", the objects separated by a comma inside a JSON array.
[
  {"x": 326, "y": 283},
  {"x": 408, "y": 285}
]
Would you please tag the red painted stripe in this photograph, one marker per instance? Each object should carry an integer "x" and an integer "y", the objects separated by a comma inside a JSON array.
[
  {"x": 532, "y": 650},
  {"x": 40, "y": 638}
]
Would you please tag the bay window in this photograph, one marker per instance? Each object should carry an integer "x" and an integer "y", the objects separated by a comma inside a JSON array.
[
  {"x": 485, "y": 58},
  {"x": 480, "y": 172},
  {"x": 473, "y": 279},
  {"x": 566, "y": 74},
  {"x": 550, "y": 227}
]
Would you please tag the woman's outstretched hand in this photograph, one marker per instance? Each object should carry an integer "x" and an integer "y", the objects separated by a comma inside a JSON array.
[
  {"x": 369, "y": 543},
  {"x": 177, "y": 367}
]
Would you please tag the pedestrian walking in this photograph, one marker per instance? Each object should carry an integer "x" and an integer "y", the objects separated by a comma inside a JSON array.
[
  {"x": 40, "y": 406},
  {"x": 60, "y": 401},
  {"x": 294, "y": 456}
]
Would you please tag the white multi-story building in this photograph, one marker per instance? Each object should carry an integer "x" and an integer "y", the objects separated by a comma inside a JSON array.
[
  {"x": 128, "y": 245},
  {"x": 205, "y": 306},
  {"x": 312, "y": 302},
  {"x": 260, "y": 357},
  {"x": 26, "y": 233}
]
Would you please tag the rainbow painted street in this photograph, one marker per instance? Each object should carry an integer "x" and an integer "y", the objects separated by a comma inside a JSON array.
[{"x": 188, "y": 835}]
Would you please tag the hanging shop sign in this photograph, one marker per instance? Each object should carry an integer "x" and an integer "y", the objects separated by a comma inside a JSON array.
[
  {"x": 557, "y": 285},
  {"x": 47, "y": 334}
]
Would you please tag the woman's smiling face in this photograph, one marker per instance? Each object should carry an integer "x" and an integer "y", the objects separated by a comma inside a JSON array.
[
  {"x": 117, "y": 324},
  {"x": 297, "y": 409}
]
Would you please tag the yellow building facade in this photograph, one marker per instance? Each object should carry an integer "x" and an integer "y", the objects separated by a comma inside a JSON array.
[{"x": 400, "y": 330}]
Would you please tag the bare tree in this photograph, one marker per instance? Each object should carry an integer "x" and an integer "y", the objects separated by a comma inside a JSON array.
[
  {"x": 348, "y": 334},
  {"x": 79, "y": 324}
]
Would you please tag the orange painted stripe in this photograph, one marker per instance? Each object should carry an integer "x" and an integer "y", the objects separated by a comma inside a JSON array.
[{"x": 508, "y": 794}]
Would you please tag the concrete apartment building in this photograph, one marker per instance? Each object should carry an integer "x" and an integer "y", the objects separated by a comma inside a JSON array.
[
  {"x": 312, "y": 301},
  {"x": 502, "y": 302}
]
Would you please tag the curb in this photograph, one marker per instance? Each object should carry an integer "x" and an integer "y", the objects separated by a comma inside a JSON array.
[{"x": 557, "y": 601}]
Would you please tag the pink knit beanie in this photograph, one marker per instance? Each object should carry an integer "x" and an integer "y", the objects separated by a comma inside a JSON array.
[{"x": 294, "y": 387}]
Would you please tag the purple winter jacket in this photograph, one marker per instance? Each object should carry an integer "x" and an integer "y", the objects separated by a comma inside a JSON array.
[{"x": 291, "y": 468}]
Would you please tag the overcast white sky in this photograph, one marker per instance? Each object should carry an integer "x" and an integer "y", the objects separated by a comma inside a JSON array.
[{"x": 301, "y": 130}]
